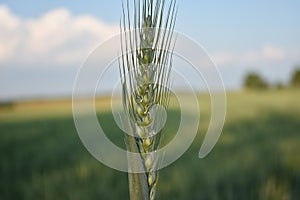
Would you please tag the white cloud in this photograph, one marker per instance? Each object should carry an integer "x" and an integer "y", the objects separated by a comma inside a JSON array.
[
  {"x": 60, "y": 38},
  {"x": 265, "y": 54},
  {"x": 55, "y": 37},
  {"x": 9, "y": 25},
  {"x": 273, "y": 53}
]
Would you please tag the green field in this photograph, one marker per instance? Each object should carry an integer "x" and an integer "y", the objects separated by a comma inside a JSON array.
[{"x": 257, "y": 156}]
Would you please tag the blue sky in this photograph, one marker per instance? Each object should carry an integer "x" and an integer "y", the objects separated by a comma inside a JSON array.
[
  {"x": 255, "y": 21},
  {"x": 240, "y": 36}
]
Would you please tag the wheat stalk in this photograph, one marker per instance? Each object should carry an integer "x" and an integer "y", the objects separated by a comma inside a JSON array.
[{"x": 145, "y": 66}]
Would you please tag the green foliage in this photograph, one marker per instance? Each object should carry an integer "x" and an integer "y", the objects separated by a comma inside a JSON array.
[
  {"x": 295, "y": 80},
  {"x": 255, "y": 81},
  {"x": 257, "y": 156}
]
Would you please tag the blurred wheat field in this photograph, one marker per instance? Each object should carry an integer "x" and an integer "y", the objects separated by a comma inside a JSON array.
[{"x": 255, "y": 158}]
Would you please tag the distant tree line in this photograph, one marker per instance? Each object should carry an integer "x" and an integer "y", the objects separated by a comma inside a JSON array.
[
  {"x": 295, "y": 81},
  {"x": 255, "y": 81},
  {"x": 7, "y": 105}
]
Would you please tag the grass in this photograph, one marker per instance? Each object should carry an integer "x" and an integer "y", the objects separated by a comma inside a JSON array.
[{"x": 257, "y": 156}]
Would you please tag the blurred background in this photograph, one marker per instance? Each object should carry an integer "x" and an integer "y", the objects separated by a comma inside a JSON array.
[{"x": 256, "y": 46}]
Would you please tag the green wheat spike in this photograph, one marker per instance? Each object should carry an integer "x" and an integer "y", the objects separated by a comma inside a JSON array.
[{"x": 145, "y": 68}]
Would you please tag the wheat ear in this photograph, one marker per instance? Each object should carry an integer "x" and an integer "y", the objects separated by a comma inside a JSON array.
[{"x": 145, "y": 66}]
